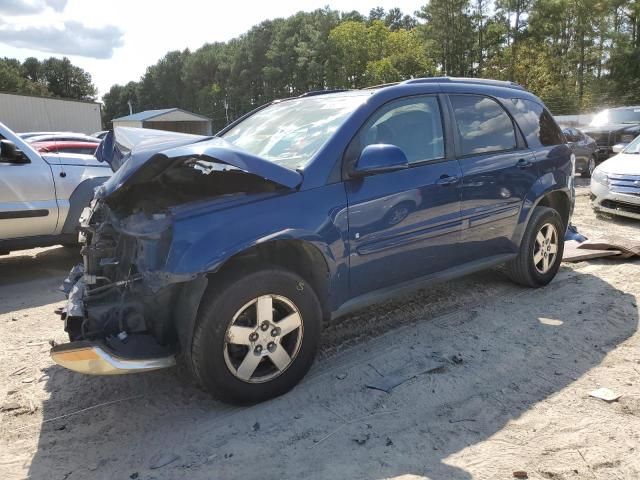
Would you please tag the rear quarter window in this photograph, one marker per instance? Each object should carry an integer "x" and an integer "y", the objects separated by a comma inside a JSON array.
[{"x": 537, "y": 124}]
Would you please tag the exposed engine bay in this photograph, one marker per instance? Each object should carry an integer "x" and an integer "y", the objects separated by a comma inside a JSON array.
[{"x": 119, "y": 289}]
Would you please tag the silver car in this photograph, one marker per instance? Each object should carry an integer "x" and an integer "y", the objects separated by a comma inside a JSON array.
[
  {"x": 42, "y": 195},
  {"x": 615, "y": 183}
]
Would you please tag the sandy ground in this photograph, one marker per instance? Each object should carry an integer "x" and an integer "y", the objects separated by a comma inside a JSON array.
[{"x": 497, "y": 381}]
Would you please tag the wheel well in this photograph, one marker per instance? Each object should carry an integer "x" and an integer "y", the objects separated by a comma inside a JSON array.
[
  {"x": 298, "y": 256},
  {"x": 559, "y": 202}
]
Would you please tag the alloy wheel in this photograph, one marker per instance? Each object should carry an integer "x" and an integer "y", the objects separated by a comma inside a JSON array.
[
  {"x": 263, "y": 338},
  {"x": 546, "y": 248}
]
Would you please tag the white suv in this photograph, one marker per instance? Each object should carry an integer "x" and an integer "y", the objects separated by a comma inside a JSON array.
[{"x": 42, "y": 196}]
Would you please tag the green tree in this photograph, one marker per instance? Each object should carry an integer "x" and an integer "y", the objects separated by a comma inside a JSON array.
[
  {"x": 576, "y": 54},
  {"x": 350, "y": 54},
  {"x": 448, "y": 34},
  {"x": 63, "y": 79}
]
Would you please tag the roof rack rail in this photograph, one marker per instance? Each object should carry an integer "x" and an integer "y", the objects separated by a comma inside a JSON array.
[
  {"x": 480, "y": 81},
  {"x": 382, "y": 85},
  {"x": 313, "y": 93}
]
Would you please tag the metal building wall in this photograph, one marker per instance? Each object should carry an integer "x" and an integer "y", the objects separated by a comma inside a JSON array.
[
  {"x": 23, "y": 113},
  {"x": 127, "y": 123},
  {"x": 201, "y": 127}
]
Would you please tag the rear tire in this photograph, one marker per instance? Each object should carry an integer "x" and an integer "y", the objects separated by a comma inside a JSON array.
[
  {"x": 243, "y": 350},
  {"x": 540, "y": 251}
]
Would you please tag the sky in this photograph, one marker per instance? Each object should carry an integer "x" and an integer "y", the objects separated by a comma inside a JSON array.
[{"x": 116, "y": 40}]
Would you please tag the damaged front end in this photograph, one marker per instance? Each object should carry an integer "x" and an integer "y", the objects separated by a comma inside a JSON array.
[
  {"x": 125, "y": 310},
  {"x": 118, "y": 309}
]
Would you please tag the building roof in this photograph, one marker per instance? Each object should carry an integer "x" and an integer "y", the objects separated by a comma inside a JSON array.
[{"x": 151, "y": 114}]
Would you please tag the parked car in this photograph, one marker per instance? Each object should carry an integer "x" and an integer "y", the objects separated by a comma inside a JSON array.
[
  {"x": 42, "y": 195},
  {"x": 27, "y": 135},
  {"x": 234, "y": 250},
  {"x": 584, "y": 148},
  {"x": 62, "y": 137},
  {"x": 615, "y": 184},
  {"x": 613, "y": 126},
  {"x": 85, "y": 148}
]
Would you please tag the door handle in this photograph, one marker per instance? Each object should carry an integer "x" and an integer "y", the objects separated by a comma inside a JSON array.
[
  {"x": 446, "y": 180},
  {"x": 524, "y": 163}
]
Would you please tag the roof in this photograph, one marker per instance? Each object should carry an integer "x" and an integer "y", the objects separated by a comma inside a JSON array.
[{"x": 150, "y": 114}]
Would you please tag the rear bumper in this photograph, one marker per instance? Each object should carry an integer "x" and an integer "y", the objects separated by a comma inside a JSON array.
[{"x": 95, "y": 358}]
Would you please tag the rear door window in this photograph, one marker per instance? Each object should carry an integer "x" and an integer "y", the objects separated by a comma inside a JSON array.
[{"x": 483, "y": 125}]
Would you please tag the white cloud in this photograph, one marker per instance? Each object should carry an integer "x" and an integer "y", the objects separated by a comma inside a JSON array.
[
  {"x": 30, "y": 7},
  {"x": 73, "y": 39}
]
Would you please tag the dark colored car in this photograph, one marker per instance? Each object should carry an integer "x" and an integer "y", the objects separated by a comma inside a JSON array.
[
  {"x": 613, "y": 126},
  {"x": 234, "y": 250},
  {"x": 584, "y": 148},
  {"x": 85, "y": 148}
]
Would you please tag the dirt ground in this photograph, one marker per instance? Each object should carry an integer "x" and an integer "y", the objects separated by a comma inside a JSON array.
[{"x": 495, "y": 379}]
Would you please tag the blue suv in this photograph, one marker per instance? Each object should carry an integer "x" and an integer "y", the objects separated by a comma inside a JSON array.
[{"x": 233, "y": 250}]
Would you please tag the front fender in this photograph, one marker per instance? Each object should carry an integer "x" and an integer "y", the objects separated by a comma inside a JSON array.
[
  {"x": 201, "y": 259},
  {"x": 202, "y": 243}
]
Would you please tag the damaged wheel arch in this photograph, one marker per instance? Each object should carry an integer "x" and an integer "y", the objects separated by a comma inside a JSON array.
[{"x": 302, "y": 257}]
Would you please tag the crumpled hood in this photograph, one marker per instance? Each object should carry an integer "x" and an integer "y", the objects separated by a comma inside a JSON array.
[
  {"x": 622, "y": 164},
  {"x": 137, "y": 155}
]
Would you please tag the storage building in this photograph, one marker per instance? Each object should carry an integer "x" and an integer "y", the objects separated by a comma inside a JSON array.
[
  {"x": 173, "y": 119},
  {"x": 27, "y": 113}
]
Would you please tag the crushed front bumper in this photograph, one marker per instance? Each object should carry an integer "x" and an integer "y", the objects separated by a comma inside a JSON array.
[
  {"x": 96, "y": 358},
  {"x": 97, "y": 350}
]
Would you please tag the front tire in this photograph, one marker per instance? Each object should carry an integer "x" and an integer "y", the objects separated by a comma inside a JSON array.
[
  {"x": 540, "y": 251},
  {"x": 256, "y": 335}
]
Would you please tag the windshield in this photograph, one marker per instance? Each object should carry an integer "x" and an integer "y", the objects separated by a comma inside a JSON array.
[
  {"x": 633, "y": 147},
  {"x": 628, "y": 115},
  {"x": 291, "y": 132}
]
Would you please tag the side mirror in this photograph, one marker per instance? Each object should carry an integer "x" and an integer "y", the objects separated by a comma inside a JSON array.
[
  {"x": 379, "y": 158},
  {"x": 10, "y": 154},
  {"x": 617, "y": 148}
]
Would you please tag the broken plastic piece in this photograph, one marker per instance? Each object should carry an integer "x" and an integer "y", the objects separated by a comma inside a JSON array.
[{"x": 605, "y": 394}]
